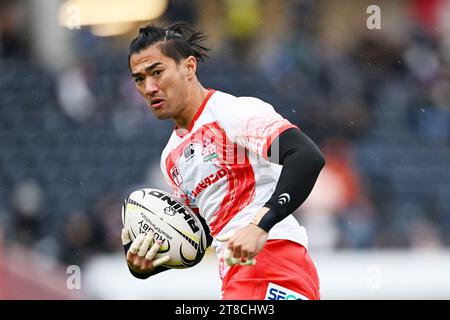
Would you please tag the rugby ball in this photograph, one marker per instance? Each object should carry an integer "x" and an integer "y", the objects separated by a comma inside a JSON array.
[{"x": 174, "y": 223}]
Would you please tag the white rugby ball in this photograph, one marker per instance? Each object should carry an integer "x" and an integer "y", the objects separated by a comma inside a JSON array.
[{"x": 174, "y": 223}]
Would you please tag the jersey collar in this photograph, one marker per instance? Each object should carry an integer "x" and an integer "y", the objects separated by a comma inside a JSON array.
[{"x": 180, "y": 132}]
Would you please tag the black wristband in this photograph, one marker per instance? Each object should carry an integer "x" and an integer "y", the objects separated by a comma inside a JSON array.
[{"x": 270, "y": 218}]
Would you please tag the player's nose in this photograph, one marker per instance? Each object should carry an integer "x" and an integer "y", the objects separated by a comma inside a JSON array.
[{"x": 151, "y": 87}]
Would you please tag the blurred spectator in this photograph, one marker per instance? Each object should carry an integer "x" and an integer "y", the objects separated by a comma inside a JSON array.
[
  {"x": 27, "y": 215},
  {"x": 74, "y": 95},
  {"x": 243, "y": 19},
  {"x": 426, "y": 13},
  {"x": 180, "y": 10},
  {"x": 80, "y": 240},
  {"x": 424, "y": 235},
  {"x": 131, "y": 114},
  {"x": 12, "y": 40},
  {"x": 106, "y": 212},
  {"x": 338, "y": 212},
  {"x": 433, "y": 123},
  {"x": 92, "y": 231},
  {"x": 423, "y": 61}
]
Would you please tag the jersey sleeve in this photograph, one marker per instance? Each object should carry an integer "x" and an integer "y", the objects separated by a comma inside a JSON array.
[{"x": 252, "y": 123}]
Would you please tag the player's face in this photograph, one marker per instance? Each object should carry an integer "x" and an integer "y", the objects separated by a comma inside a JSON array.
[{"x": 161, "y": 81}]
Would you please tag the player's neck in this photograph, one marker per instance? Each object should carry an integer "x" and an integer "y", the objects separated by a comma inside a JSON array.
[{"x": 194, "y": 101}]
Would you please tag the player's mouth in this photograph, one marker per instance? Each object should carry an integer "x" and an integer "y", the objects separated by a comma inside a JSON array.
[{"x": 157, "y": 103}]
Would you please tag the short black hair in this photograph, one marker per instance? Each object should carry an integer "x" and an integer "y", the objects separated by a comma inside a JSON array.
[{"x": 176, "y": 41}]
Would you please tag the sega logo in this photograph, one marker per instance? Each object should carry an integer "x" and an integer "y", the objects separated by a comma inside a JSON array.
[{"x": 276, "y": 292}]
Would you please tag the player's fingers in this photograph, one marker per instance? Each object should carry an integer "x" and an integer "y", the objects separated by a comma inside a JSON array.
[
  {"x": 228, "y": 257},
  {"x": 161, "y": 261},
  {"x": 237, "y": 253},
  {"x": 145, "y": 244},
  {"x": 225, "y": 237},
  {"x": 248, "y": 262},
  {"x": 153, "y": 250},
  {"x": 137, "y": 243},
  {"x": 125, "y": 236},
  {"x": 227, "y": 254}
]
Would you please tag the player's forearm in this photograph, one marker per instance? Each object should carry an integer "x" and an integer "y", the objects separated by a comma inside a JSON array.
[{"x": 302, "y": 162}]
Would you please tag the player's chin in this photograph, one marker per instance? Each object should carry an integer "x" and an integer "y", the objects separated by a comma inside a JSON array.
[{"x": 162, "y": 114}]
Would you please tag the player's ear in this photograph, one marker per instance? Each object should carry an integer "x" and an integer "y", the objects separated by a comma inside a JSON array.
[{"x": 190, "y": 66}]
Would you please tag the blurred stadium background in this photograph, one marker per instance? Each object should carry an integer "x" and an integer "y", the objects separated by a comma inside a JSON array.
[{"x": 75, "y": 139}]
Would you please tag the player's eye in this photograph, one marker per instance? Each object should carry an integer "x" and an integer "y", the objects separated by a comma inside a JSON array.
[
  {"x": 157, "y": 73},
  {"x": 138, "y": 80}
]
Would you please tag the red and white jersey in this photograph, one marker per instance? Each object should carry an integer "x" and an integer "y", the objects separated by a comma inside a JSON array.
[{"x": 219, "y": 166}]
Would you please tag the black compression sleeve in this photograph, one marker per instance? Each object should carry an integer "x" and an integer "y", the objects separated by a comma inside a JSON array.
[{"x": 302, "y": 162}]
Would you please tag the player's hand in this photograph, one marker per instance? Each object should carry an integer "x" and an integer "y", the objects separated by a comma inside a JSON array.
[
  {"x": 243, "y": 245},
  {"x": 140, "y": 255}
]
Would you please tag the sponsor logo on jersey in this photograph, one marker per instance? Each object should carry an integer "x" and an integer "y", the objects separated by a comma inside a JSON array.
[
  {"x": 209, "y": 180},
  {"x": 210, "y": 157},
  {"x": 276, "y": 292},
  {"x": 209, "y": 151},
  {"x": 190, "y": 197},
  {"x": 189, "y": 152}
]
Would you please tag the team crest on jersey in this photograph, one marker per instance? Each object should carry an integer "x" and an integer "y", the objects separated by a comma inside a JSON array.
[{"x": 176, "y": 176}]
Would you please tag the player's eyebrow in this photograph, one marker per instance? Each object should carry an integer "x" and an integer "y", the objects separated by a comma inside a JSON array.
[{"x": 147, "y": 69}]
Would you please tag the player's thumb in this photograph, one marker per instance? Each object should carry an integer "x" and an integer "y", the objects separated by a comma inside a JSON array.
[
  {"x": 225, "y": 237},
  {"x": 125, "y": 236}
]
